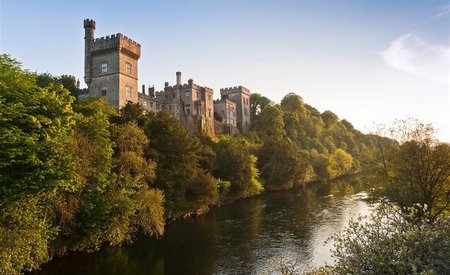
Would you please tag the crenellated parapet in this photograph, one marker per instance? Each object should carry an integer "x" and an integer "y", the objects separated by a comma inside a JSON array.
[
  {"x": 235, "y": 89},
  {"x": 89, "y": 23},
  {"x": 117, "y": 42}
]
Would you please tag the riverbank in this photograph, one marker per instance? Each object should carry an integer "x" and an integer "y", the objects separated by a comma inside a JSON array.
[
  {"x": 203, "y": 211},
  {"x": 234, "y": 238}
]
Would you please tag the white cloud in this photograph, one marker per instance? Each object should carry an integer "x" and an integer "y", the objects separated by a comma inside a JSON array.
[
  {"x": 442, "y": 11},
  {"x": 411, "y": 54}
]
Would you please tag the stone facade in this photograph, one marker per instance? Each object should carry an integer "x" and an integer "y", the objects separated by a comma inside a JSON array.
[
  {"x": 226, "y": 108},
  {"x": 241, "y": 96},
  {"x": 191, "y": 104},
  {"x": 111, "y": 66},
  {"x": 111, "y": 71}
]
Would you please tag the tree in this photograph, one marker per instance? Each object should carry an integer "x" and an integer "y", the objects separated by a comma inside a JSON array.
[
  {"x": 416, "y": 170},
  {"x": 187, "y": 187},
  {"x": 134, "y": 205},
  {"x": 342, "y": 163},
  {"x": 281, "y": 164},
  {"x": 67, "y": 81},
  {"x": 257, "y": 104},
  {"x": 235, "y": 164},
  {"x": 329, "y": 118},
  {"x": 270, "y": 122},
  {"x": 293, "y": 103},
  {"x": 322, "y": 166},
  {"x": 35, "y": 125},
  {"x": 131, "y": 112},
  {"x": 387, "y": 243},
  {"x": 83, "y": 213}
]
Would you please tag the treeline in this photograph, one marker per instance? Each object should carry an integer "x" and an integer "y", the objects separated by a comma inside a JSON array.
[
  {"x": 75, "y": 175},
  {"x": 295, "y": 143}
]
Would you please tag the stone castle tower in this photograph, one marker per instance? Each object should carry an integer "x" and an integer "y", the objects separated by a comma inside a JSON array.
[
  {"x": 111, "y": 66},
  {"x": 241, "y": 96}
]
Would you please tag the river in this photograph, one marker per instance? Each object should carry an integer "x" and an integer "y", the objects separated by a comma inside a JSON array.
[{"x": 239, "y": 238}]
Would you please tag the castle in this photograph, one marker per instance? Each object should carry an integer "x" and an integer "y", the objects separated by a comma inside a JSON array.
[{"x": 111, "y": 71}]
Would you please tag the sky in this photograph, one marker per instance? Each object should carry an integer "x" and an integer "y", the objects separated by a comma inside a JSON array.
[{"x": 369, "y": 62}]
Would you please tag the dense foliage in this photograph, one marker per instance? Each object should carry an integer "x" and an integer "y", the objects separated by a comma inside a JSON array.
[
  {"x": 69, "y": 179},
  {"x": 408, "y": 233},
  {"x": 77, "y": 174},
  {"x": 413, "y": 168},
  {"x": 298, "y": 144}
]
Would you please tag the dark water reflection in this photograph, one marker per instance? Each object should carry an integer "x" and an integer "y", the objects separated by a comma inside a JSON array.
[{"x": 234, "y": 239}]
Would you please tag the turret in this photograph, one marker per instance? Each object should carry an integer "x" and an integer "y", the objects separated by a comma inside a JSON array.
[{"x": 89, "y": 34}]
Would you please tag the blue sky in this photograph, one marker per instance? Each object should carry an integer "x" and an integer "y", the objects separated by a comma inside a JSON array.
[{"x": 367, "y": 61}]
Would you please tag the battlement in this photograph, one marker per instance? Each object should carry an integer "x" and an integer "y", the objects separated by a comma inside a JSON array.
[
  {"x": 156, "y": 99},
  {"x": 117, "y": 42},
  {"x": 180, "y": 87},
  {"x": 89, "y": 23},
  {"x": 232, "y": 90}
]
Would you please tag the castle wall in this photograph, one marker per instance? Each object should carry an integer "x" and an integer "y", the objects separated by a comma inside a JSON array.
[
  {"x": 108, "y": 80},
  {"x": 226, "y": 108},
  {"x": 191, "y": 104},
  {"x": 241, "y": 96},
  {"x": 106, "y": 72}
]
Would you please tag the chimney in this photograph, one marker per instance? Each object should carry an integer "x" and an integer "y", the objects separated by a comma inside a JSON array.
[
  {"x": 190, "y": 81},
  {"x": 151, "y": 91},
  {"x": 143, "y": 89},
  {"x": 178, "y": 78}
]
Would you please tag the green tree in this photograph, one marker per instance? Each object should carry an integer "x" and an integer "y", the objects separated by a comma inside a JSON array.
[
  {"x": 322, "y": 166},
  {"x": 257, "y": 103},
  {"x": 270, "y": 122},
  {"x": 35, "y": 125},
  {"x": 82, "y": 213},
  {"x": 134, "y": 205},
  {"x": 235, "y": 164},
  {"x": 187, "y": 187},
  {"x": 293, "y": 103},
  {"x": 416, "y": 170},
  {"x": 342, "y": 163},
  {"x": 329, "y": 118},
  {"x": 387, "y": 243},
  {"x": 67, "y": 81},
  {"x": 281, "y": 164}
]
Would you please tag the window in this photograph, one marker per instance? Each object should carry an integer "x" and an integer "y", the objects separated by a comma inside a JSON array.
[
  {"x": 128, "y": 68},
  {"x": 198, "y": 95},
  {"x": 209, "y": 112},
  {"x": 104, "y": 90},
  {"x": 151, "y": 104},
  {"x": 187, "y": 94},
  {"x": 129, "y": 91},
  {"x": 188, "y": 111},
  {"x": 104, "y": 68},
  {"x": 144, "y": 104},
  {"x": 209, "y": 97}
]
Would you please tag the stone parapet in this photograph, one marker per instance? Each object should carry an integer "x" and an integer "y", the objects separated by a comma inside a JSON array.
[{"x": 117, "y": 42}]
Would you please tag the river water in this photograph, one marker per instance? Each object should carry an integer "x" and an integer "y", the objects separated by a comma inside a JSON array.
[{"x": 239, "y": 238}]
